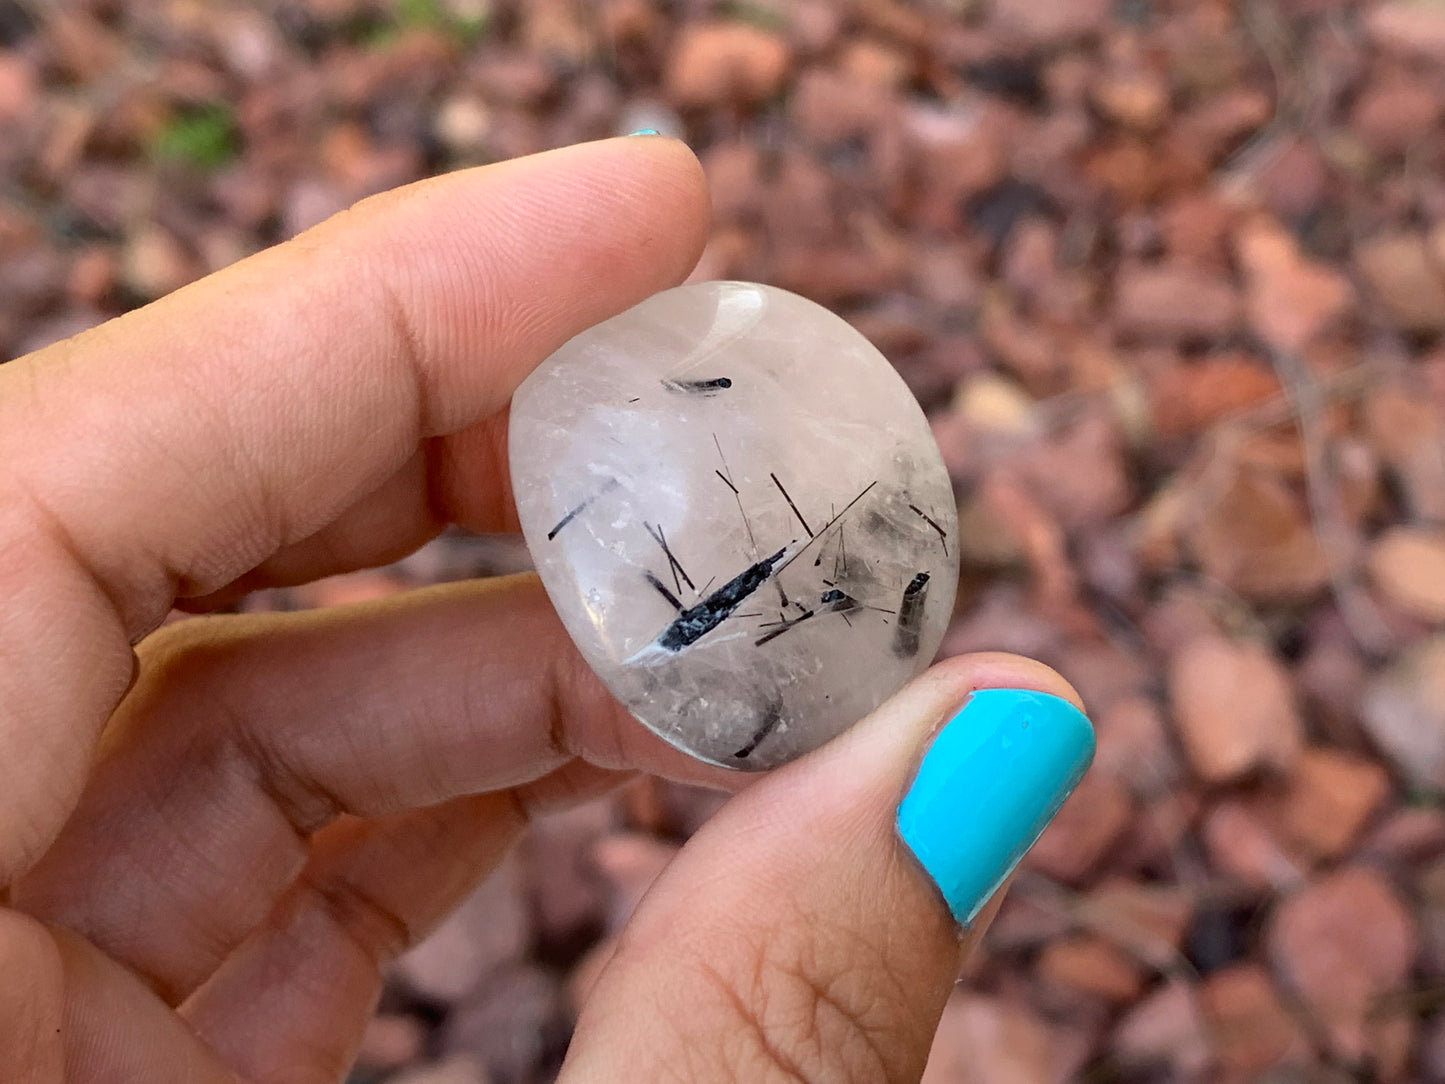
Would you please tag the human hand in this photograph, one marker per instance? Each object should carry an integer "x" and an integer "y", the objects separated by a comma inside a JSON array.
[{"x": 214, "y": 841}]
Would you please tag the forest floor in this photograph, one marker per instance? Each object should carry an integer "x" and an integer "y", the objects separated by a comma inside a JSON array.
[{"x": 1169, "y": 280}]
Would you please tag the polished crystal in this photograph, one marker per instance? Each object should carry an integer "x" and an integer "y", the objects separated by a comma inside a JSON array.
[{"x": 740, "y": 514}]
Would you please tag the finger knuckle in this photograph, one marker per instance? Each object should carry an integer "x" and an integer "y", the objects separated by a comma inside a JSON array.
[{"x": 358, "y": 915}]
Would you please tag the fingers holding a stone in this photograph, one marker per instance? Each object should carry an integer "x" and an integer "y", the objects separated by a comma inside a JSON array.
[
  {"x": 300, "y": 380},
  {"x": 810, "y": 931},
  {"x": 243, "y": 735},
  {"x": 246, "y": 412}
]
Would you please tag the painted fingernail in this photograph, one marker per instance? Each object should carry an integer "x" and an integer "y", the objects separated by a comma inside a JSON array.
[
  {"x": 988, "y": 786},
  {"x": 645, "y": 131}
]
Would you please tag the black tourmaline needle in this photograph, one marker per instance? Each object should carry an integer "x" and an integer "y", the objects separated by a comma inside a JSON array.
[{"x": 695, "y": 623}]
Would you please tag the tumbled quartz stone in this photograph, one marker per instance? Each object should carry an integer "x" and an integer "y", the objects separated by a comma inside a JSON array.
[{"x": 741, "y": 516}]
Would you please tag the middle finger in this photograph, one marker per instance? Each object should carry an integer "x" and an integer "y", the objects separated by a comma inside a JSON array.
[{"x": 245, "y": 735}]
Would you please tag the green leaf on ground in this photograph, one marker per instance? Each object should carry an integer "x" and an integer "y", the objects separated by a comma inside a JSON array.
[{"x": 205, "y": 138}]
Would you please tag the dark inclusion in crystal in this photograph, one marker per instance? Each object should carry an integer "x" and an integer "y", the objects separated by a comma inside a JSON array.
[
  {"x": 771, "y": 718},
  {"x": 910, "y": 617},
  {"x": 695, "y": 623},
  {"x": 699, "y": 387},
  {"x": 575, "y": 512}
]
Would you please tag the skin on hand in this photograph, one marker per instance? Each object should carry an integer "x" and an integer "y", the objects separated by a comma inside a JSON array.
[{"x": 213, "y": 837}]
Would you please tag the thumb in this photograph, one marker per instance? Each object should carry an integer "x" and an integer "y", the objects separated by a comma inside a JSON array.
[{"x": 811, "y": 931}]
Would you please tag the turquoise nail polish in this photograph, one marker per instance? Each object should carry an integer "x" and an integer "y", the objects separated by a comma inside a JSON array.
[
  {"x": 989, "y": 784},
  {"x": 645, "y": 131}
]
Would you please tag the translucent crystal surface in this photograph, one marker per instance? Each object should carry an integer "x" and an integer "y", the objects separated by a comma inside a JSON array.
[{"x": 740, "y": 514}]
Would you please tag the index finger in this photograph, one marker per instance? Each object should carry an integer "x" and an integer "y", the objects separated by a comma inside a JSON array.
[
  {"x": 168, "y": 451},
  {"x": 181, "y": 443}
]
